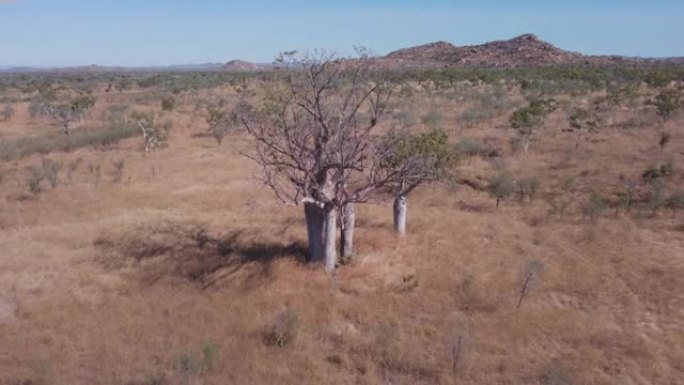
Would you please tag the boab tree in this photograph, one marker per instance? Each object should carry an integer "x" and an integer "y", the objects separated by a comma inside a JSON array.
[
  {"x": 315, "y": 135},
  {"x": 412, "y": 160}
]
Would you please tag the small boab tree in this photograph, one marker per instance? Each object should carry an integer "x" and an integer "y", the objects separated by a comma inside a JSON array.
[
  {"x": 413, "y": 159},
  {"x": 315, "y": 133},
  {"x": 527, "y": 121}
]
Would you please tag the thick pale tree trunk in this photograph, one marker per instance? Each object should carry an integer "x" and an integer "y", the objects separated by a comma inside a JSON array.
[
  {"x": 400, "y": 215},
  {"x": 347, "y": 221},
  {"x": 314, "y": 227},
  {"x": 330, "y": 233}
]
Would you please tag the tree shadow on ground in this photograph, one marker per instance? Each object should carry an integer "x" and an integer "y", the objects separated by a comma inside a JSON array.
[{"x": 193, "y": 253}]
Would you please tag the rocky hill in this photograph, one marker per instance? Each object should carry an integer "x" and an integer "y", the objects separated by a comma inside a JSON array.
[
  {"x": 524, "y": 50},
  {"x": 239, "y": 66}
]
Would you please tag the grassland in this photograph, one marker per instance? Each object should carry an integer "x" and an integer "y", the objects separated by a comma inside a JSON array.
[{"x": 179, "y": 267}]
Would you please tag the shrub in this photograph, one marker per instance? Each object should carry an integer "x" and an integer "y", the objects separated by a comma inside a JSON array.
[
  {"x": 527, "y": 120},
  {"x": 386, "y": 337},
  {"x": 594, "y": 206},
  {"x": 187, "y": 365},
  {"x": 404, "y": 119},
  {"x": 675, "y": 201},
  {"x": 35, "y": 177},
  {"x": 220, "y": 121},
  {"x": 665, "y": 138},
  {"x": 477, "y": 115},
  {"x": 501, "y": 186},
  {"x": 582, "y": 119},
  {"x": 457, "y": 347},
  {"x": 560, "y": 202},
  {"x": 530, "y": 274},
  {"x": 168, "y": 103},
  {"x": 516, "y": 145},
  {"x": 471, "y": 147},
  {"x": 118, "y": 170},
  {"x": 667, "y": 103},
  {"x": 51, "y": 171},
  {"x": 527, "y": 188},
  {"x": 629, "y": 194},
  {"x": 432, "y": 119},
  {"x": 154, "y": 136},
  {"x": 7, "y": 112},
  {"x": 209, "y": 354},
  {"x": 556, "y": 374},
  {"x": 654, "y": 172},
  {"x": 284, "y": 331},
  {"x": 655, "y": 193}
]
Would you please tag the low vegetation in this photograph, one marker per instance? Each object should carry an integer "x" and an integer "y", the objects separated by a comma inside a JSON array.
[{"x": 542, "y": 244}]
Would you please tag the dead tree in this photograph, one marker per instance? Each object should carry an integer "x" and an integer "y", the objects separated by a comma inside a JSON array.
[
  {"x": 530, "y": 274},
  {"x": 153, "y": 137},
  {"x": 315, "y": 136}
]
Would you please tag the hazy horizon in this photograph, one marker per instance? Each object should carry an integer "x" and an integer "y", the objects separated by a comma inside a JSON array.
[{"x": 39, "y": 33}]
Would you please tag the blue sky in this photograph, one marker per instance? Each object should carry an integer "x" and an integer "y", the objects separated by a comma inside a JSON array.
[{"x": 157, "y": 32}]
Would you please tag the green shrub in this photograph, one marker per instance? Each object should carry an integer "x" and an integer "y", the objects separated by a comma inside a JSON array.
[
  {"x": 209, "y": 354},
  {"x": 528, "y": 120}
]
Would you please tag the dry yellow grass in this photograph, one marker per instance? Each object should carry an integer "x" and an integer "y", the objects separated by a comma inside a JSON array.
[{"x": 112, "y": 283}]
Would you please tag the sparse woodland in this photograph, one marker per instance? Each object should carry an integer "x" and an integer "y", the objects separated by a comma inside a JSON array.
[{"x": 335, "y": 222}]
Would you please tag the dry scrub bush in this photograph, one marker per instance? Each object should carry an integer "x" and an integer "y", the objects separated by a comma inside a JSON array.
[
  {"x": 48, "y": 170},
  {"x": 594, "y": 206},
  {"x": 501, "y": 185},
  {"x": 530, "y": 274},
  {"x": 118, "y": 170},
  {"x": 284, "y": 331},
  {"x": 7, "y": 112}
]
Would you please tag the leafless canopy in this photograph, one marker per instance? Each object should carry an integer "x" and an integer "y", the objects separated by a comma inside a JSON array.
[{"x": 316, "y": 133}]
